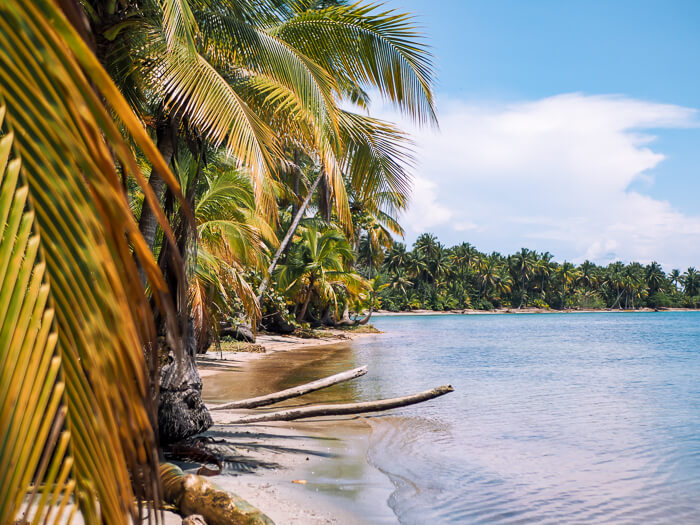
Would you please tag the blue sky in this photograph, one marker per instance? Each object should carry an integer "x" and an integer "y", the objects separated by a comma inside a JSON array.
[{"x": 593, "y": 102}]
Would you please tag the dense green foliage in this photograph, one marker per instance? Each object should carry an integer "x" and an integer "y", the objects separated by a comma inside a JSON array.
[{"x": 434, "y": 277}]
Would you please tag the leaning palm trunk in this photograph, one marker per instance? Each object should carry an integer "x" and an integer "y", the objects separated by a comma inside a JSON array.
[
  {"x": 302, "y": 313},
  {"x": 288, "y": 236},
  {"x": 367, "y": 317}
]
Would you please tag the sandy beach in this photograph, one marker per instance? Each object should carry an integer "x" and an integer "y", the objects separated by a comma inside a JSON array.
[{"x": 307, "y": 472}]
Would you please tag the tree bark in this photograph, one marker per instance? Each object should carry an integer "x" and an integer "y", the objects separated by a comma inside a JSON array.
[
  {"x": 325, "y": 205},
  {"x": 302, "y": 312},
  {"x": 366, "y": 319},
  {"x": 285, "y": 242},
  {"x": 345, "y": 320},
  {"x": 296, "y": 391},
  {"x": 166, "y": 137},
  {"x": 181, "y": 411},
  {"x": 344, "y": 409},
  {"x": 297, "y": 180}
]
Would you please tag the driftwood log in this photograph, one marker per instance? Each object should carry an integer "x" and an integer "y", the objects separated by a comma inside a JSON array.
[
  {"x": 193, "y": 494},
  {"x": 296, "y": 391},
  {"x": 344, "y": 409}
]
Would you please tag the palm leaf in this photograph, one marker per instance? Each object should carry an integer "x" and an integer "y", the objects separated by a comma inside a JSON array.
[
  {"x": 179, "y": 24},
  {"x": 192, "y": 85},
  {"x": 364, "y": 46},
  {"x": 377, "y": 159},
  {"x": 76, "y": 415}
]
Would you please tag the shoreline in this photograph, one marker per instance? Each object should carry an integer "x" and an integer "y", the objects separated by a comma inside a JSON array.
[{"x": 328, "y": 455}]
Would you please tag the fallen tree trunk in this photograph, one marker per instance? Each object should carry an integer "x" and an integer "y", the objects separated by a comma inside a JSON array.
[
  {"x": 296, "y": 391},
  {"x": 344, "y": 409},
  {"x": 192, "y": 494}
]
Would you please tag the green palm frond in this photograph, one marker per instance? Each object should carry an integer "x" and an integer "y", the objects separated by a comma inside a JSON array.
[
  {"x": 192, "y": 85},
  {"x": 365, "y": 46},
  {"x": 228, "y": 41},
  {"x": 179, "y": 24},
  {"x": 377, "y": 160}
]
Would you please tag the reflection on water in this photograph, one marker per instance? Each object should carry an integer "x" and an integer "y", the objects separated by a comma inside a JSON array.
[{"x": 577, "y": 418}]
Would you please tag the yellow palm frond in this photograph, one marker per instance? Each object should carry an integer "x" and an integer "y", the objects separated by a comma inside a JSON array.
[{"x": 76, "y": 410}]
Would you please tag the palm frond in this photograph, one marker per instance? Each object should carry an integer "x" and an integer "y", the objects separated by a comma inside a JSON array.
[
  {"x": 365, "y": 46},
  {"x": 77, "y": 414},
  {"x": 192, "y": 85},
  {"x": 377, "y": 159},
  {"x": 179, "y": 24},
  {"x": 228, "y": 41}
]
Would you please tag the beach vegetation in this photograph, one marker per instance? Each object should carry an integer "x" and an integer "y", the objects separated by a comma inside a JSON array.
[{"x": 434, "y": 277}]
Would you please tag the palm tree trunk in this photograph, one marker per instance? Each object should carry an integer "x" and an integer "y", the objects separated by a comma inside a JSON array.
[
  {"x": 166, "y": 136},
  {"x": 297, "y": 180},
  {"x": 325, "y": 202},
  {"x": 366, "y": 318},
  {"x": 285, "y": 242},
  {"x": 302, "y": 312}
]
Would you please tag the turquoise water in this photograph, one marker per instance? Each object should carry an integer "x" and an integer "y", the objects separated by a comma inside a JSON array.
[{"x": 562, "y": 418}]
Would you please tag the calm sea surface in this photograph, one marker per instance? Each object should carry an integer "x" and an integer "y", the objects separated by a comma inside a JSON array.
[{"x": 570, "y": 418}]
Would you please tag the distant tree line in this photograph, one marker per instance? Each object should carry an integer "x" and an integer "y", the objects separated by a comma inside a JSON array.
[{"x": 434, "y": 277}]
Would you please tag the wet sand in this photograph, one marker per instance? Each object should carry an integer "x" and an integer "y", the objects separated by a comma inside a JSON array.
[{"x": 328, "y": 454}]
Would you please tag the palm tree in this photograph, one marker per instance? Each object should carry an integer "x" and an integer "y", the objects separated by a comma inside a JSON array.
[
  {"x": 319, "y": 265},
  {"x": 401, "y": 282},
  {"x": 523, "y": 264},
  {"x": 691, "y": 282},
  {"x": 397, "y": 258},
  {"x": 544, "y": 268},
  {"x": 358, "y": 46},
  {"x": 655, "y": 277},
  {"x": 567, "y": 274},
  {"x": 675, "y": 277},
  {"x": 232, "y": 237},
  {"x": 587, "y": 275}
]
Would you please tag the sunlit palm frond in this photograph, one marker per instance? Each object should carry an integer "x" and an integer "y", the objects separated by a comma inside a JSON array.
[
  {"x": 179, "y": 24},
  {"x": 389, "y": 225},
  {"x": 365, "y": 46},
  {"x": 230, "y": 42},
  {"x": 377, "y": 159},
  {"x": 192, "y": 85},
  {"x": 76, "y": 414}
]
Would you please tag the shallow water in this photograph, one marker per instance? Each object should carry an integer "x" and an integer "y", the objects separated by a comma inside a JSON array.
[{"x": 561, "y": 418}]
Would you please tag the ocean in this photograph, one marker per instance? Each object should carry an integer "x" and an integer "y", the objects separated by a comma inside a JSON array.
[{"x": 555, "y": 418}]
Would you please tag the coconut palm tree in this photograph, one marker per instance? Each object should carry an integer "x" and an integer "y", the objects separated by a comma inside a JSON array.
[
  {"x": 318, "y": 266},
  {"x": 397, "y": 258},
  {"x": 567, "y": 275},
  {"x": 675, "y": 277},
  {"x": 655, "y": 277},
  {"x": 691, "y": 282},
  {"x": 523, "y": 266},
  {"x": 233, "y": 237}
]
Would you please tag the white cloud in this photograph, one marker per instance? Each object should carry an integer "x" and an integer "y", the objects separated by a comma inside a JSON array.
[
  {"x": 552, "y": 174},
  {"x": 425, "y": 211}
]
